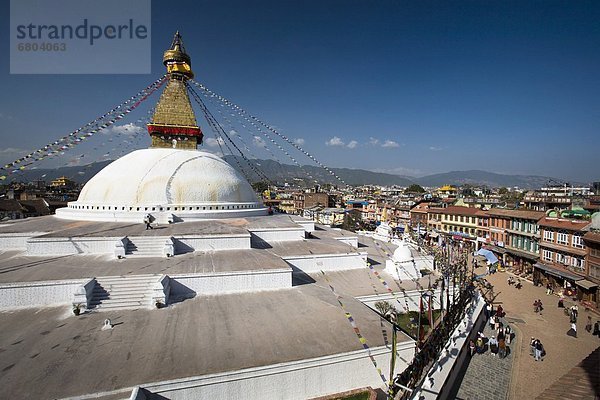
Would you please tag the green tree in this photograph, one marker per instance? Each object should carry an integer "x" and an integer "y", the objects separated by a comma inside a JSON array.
[
  {"x": 260, "y": 187},
  {"x": 502, "y": 191},
  {"x": 414, "y": 188}
]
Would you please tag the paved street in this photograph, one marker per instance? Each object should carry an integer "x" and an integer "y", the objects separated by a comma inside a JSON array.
[
  {"x": 488, "y": 376},
  {"x": 530, "y": 378}
]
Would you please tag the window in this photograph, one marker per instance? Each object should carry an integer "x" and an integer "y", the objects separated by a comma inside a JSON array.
[
  {"x": 547, "y": 254},
  {"x": 560, "y": 258},
  {"x": 549, "y": 236},
  {"x": 562, "y": 238},
  {"x": 594, "y": 252},
  {"x": 577, "y": 263},
  {"x": 578, "y": 242}
]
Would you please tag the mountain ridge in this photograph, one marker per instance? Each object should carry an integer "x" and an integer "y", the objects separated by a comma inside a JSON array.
[{"x": 280, "y": 173}]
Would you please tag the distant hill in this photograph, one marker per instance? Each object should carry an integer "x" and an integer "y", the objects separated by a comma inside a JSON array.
[
  {"x": 79, "y": 174},
  {"x": 280, "y": 173},
  {"x": 490, "y": 179}
]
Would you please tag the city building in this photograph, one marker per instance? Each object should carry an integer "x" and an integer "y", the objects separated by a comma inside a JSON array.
[
  {"x": 591, "y": 238},
  {"x": 562, "y": 249},
  {"x": 63, "y": 183},
  {"x": 515, "y": 236}
]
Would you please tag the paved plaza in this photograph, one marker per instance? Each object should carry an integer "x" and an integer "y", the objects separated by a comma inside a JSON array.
[
  {"x": 529, "y": 378},
  {"x": 488, "y": 376}
]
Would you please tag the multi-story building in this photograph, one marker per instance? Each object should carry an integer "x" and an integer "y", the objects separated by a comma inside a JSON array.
[
  {"x": 325, "y": 215},
  {"x": 591, "y": 284},
  {"x": 544, "y": 202},
  {"x": 562, "y": 250},
  {"x": 434, "y": 219},
  {"x": 462, "y": 223},
  {"x": 304, "y": 200},
  {"x": 418, "y": 215},
  {"x": 516, "y": 235},
  {"x": 63, "y": 183}
]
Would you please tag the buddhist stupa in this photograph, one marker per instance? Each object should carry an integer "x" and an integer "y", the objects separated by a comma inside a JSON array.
[{"x": 172, "y": 180}]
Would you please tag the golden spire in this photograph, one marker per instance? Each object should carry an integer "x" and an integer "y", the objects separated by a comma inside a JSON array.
[
  {"x": 174, "y": 123},
  {"x": 177, "y": 60}
]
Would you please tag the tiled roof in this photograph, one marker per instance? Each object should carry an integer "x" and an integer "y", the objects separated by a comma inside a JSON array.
[
  {"x": 524, "y": 214},
  {"x": 581, "y": 382},
  {"x": 561, "y": 223},
  {"x": 10, "y": 205},
  {"x": 457, "y": 210},
  {"x": 592, "y": 237}
]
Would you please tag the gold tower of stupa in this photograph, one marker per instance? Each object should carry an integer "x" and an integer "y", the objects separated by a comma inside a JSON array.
[{"x": 174, "y": 123}]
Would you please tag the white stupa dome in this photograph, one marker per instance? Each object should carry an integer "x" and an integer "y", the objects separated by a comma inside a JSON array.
[
  {"x": 166, "y": 183},
  {"x": 402, "y": 253}
]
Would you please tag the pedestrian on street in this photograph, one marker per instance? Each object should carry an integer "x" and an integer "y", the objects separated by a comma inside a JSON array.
[
  {"x": 574, "y": 329},
  {"x": 500, "y": 311},
  {"x": 501, "y": 346},
  {"x": 507, "y": 334},
  {"x": 471, "y": 347},
  {"x": 479, "y": 345},
  {"x": 488, "y": 311},
  {"x": 539, "y": 347},
  {"x": 588, "y": 326},
  {"x": 492, "y": 322},
  {"x": 596, "y": 329},
  {"x": 493, "y": 342},
  {"x": 536, "y": 306},
  {"x": 532, "y": 346}
]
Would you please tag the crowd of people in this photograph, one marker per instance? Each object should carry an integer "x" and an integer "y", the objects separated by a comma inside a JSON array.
[{"x": 501, "y": 334}]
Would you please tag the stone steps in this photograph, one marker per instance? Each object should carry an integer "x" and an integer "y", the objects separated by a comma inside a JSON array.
[
  {"x": 123, "y": 292},
  {"x": 145, "y": 246}
]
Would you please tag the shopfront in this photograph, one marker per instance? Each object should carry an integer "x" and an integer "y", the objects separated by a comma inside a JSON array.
[{"x": 558, "y": 278}]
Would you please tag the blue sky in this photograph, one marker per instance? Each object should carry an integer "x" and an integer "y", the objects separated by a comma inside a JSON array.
[{"x": 404, "y": 87}]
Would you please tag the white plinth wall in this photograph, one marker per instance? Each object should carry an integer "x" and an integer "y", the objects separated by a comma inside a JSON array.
[{"x": 292, "y": 380}]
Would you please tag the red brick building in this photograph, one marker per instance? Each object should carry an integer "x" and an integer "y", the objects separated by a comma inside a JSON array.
[{"x": 562, "y": 252}]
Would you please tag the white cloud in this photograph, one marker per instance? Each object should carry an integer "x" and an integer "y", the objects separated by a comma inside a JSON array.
[
  {"x": 11, "y": 153},
  {"x": 212, "y": 142},
  {"x": 400, "y": 171},
  {"x": 352, "y": 144},
  {"x": 434, "y": 148},
  {"x": 390, "y": 143},
  {"x": 259, "y": 142},
  {"x": 128, "y": 129},
  {"x": 334, "y": 141},
  {"x": 299, "y": 141},
  {"x": 373, "y": 141}
]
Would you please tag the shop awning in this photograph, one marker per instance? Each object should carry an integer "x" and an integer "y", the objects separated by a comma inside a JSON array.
[
  {"x": 491, "y": 257},
  {"x": 584, "y": 283},
  {"x": 522, "y": 254},
  {"x": 558, "y": 272},
  {"x": 497, "y": 249}
]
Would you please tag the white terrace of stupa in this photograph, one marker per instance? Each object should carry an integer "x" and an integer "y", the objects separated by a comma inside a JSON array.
[{"x": 248, "y": 305}]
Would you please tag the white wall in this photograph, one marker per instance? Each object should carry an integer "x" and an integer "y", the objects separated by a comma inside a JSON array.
[
  {"x": 349, "y": 240},
  {"x": 230, "y": 282},
  {"x": 292, "y": 380},
  {"x": 38, "y": 294},
  {"x": 277, "y": 235},
  {"x": 212, "y": 242},
  {"x": 16, "y": 241},
  {"x": 66, "y": 245},
  {"x": 328, "y": 262}
]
